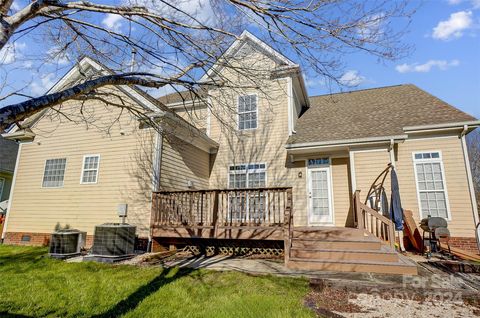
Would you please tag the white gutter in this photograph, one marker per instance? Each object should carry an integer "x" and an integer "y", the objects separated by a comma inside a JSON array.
[
  {"x": 446, "y": 126},
  {"x": 470, "y": 184},
  {"x": 12, "y": 188},
  {"x": 346, "y": 142}
]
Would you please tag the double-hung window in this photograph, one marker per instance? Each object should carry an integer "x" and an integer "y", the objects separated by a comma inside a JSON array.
[
  {"x": 54, "y": 173},
  {"x": 90, "y": 169},
  {"x": 247, "y": 205},
  {"x": 247, "y": 112},
  {"x": 432, "y": 192}
]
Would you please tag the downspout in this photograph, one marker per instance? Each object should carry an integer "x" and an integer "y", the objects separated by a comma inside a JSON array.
[
  {"x": 156, "y": 171},
  {"x": 12, "y": 188},
  {"x": 470, "y": 185},
  {"x": 391, "y": 151}
]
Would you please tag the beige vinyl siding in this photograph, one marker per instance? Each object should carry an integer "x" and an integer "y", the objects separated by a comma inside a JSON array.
[
  {"x": 341, "y": 192},
  {"x": 182, "y": 162},
  {"x": 124, "y": 173},
  {"x": 197, "y": 115},
  {"x": 461, "y": 223},
  {"x": 368, "y": 166}
]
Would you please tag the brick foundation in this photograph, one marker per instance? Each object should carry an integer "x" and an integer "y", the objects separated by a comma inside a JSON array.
[
  {"x": 465, "y": 243},
  {"x": 43, "y": 239},
  {"x": 34, "y": 239}
]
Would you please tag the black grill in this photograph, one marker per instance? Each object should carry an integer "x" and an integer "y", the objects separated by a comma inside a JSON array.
[
  {"x": 437, "y": 229},
  {"x": 114, "y": 239}
]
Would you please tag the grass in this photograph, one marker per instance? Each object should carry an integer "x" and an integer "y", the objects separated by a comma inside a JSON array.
[{"x": 33, "y": 285}]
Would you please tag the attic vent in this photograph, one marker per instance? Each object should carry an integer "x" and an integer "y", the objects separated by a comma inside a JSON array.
[{"x": 113, "y": 240}]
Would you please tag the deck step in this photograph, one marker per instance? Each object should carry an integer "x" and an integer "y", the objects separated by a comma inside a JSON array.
[
  {"x": 363, "y": 243},
  {"x": 402, "y": 266},
  {"x": 326, "y": 232},
  {"x": 384, "y": 254}
]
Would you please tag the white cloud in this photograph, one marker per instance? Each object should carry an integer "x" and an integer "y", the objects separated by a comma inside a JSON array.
[
  {"x": 183, "y": 10},
  {"x": 12, "y": 52},
  {"x": 426, "y": 67},
  {"x": 44, "y": 84},
  {"x": 352, "y": 78},
  {"x": 454, "y": 26},
  {"x": 58, "y": 56},
  {"x": 474, "y": 3},
  {"x": 15, "y": 6},
  {"x": 112, "y": 22}
]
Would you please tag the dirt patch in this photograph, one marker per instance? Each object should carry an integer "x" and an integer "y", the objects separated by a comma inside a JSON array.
[
  {"x": 334, "y": 302},
  {"x": 327, "y": 301}
]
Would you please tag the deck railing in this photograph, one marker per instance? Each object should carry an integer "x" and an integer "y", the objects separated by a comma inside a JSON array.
[
  {"x": 373, "y": 222},
  {"x": 260, "y": 207}
]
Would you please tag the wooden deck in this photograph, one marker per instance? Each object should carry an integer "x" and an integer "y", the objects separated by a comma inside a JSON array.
[
  {"x": 246, "y": 214},
  {"x": 213, "y": 217}
]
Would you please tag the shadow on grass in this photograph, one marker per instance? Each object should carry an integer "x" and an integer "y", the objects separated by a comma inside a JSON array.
[
  {"x": 5, "y": 314},
  {"x": 132, "y": 301}
]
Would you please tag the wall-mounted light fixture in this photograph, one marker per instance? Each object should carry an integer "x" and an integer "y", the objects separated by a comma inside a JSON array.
[{"x": 300, "y": 174}]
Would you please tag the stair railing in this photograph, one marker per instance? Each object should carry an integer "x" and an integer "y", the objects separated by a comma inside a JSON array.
[{"x": 372, "y": 222}]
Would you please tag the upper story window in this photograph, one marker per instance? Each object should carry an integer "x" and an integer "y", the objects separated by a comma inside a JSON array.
[
  {"x": 90, "y": 169},
  {"x": 54, "y": 173},
  {"x": 247, "y": 112},
  {"x": 431, "y": 187}
]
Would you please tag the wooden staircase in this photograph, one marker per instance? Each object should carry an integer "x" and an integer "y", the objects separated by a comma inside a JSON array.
[{"x": 346, "y": 250}]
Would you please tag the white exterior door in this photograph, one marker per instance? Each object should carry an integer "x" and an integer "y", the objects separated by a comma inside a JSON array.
[{"x": 319, "y": 196}]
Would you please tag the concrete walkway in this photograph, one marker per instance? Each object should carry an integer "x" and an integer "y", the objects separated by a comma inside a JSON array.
[{"x": 430, "y": 277}]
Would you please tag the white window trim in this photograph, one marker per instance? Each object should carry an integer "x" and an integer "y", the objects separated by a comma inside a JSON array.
[
  {"x": 328, "y": 168},
  {"x": 444, "y": 179},
  {"x": 83, "y": 169},
  {"x": 64, "y": 173},
  {"x": 238, "y": 114},
  {"x": 246, "y": 171},
  {"x": 2, "y": 182}
]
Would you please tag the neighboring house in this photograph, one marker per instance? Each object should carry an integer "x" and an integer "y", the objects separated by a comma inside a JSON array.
[
  {"x": 272, "y": 166},
  {"x": 8, "y": 157}
]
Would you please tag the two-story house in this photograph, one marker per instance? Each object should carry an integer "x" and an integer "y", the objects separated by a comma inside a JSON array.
[{"x": 261, "y": 165}]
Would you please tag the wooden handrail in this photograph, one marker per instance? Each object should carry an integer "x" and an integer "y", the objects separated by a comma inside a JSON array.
[
  {"x": 372, "y": 222},
  {"x": 257, "y": 207}
]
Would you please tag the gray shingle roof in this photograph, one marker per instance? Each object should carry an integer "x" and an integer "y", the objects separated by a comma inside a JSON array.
[
  {"x": 372, "y": 113},
  {"x": 183, "y": 96}
]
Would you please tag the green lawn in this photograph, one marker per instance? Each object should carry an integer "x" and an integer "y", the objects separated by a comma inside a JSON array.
[{"x": 33, "y": 285}]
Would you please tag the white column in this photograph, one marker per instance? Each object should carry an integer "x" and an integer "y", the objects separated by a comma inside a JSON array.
[{"x": 10, "y": 198}]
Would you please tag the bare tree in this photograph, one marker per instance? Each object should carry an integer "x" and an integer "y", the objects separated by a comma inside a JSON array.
[
  {"x": 175, "y": 42},
  {"x": 473, "y": 144}
]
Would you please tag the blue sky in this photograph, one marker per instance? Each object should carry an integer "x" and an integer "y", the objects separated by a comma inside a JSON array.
[{"x": 445, "y": 61}]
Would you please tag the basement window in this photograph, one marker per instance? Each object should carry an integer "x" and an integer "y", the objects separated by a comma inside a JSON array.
[
  {"x": 90, "y": 169},
  {"x": 54, "y": 173},
  {"x": 431, "y": 185}
]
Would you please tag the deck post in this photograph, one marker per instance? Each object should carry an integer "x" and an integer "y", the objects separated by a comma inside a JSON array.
[
  {"x": 215, "y": 213},
  {"x": 288, "y": 224}
]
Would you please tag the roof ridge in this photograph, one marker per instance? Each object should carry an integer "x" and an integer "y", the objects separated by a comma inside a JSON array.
[{"x": 361, "y": 90}]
